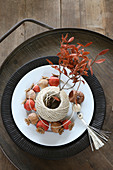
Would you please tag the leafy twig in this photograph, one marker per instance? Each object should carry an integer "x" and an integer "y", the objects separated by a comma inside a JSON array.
[{"x": 76, "y": 59}]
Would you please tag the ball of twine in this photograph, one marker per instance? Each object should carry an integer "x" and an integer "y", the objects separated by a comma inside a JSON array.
[{"x": 52, "y": 115}]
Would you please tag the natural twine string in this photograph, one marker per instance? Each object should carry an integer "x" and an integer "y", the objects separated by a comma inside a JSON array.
[
  {"x": 64, "y": 116},
  {"x": 72, "y": 114},
  {"x": 52, "y": 115}
]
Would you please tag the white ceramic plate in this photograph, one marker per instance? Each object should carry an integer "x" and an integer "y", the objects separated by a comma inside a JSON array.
[{"x": 49, "y": 138}]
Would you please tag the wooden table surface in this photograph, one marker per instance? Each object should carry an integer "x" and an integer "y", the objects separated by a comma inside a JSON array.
[{"x": 96, "y": 15}]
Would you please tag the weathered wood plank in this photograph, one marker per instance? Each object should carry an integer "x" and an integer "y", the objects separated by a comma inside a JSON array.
[
  {"x": 83, "y": 14},
  {"x": 70, "y": 13},
  {"x": 46, "y": 11},
  {"x": 10, "y": 13},
  {"x": 109, "y": 18},
  {"x": 13, "y": 11},
  {"x": 96, "y": 16}
]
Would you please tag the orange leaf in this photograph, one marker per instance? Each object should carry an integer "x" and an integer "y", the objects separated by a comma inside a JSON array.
[
  {"x": 86, "y": 53},
  {"x": 49, "y": 62},
  {"x": 83, "y": 81},
  {"x": 65, "y": 62},
  {"x": 85, "y": 57},
  {"x": 88, "y": 44},
  {"x": 80, "y": 45},
  {"x": 64, "y": 45},
  {"x": 65, "y": 72},
  {"x": 83, "y": 61},
  {"x": 84, "y": 65},
  {"x": 76, "y": 49},
  {"x": 85, "y": 73},
  {"x": 62, "y": 37},
  {"x": 59, "y": 70},
  {"x": 58, "y": 53},
  {"x": 103, "y": 52},
  {"x": 54, "y": 67},
  {"x": 71, "y": 46},
  {"x": 74, "y": 56},
  {"x": 56, "y": 98},
  {"x": 89, "y": 63},
  {"x": 91, "y": 70},
  {"x": 86, "y": 69},
  {"x": 70, "y": 66},
  {"x": 100, "y": 61},
  {"x": 66, "y": 36},
  {"x": 71, "y": 39},
  {"x": 71, "y": 73}
]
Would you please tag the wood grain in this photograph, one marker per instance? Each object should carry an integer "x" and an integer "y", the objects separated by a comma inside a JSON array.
[
  {"x": 83, "y": 14},
  {"x": 94, "y": 15},
  {"x": 46, "y": 11},
  {"x": 108, "y": 4},
  {"x": 5, "y": 163},
  {"x": 10, "y": 13}
]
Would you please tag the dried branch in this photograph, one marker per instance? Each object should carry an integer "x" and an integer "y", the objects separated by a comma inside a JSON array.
[{"x": 76, "y": 59}]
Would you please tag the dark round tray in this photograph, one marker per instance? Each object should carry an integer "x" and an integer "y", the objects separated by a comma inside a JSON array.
[
  {"x": 44, "y": 44},
  {"x": 44, "y": 151}
]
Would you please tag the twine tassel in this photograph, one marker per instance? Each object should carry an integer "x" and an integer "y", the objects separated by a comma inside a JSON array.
[
  {"x": 96, "y": 141},
  {"x": 100, "y": 133},
  {"x": 91, "y": 144},
  {"x": 97, "y": 137}
]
